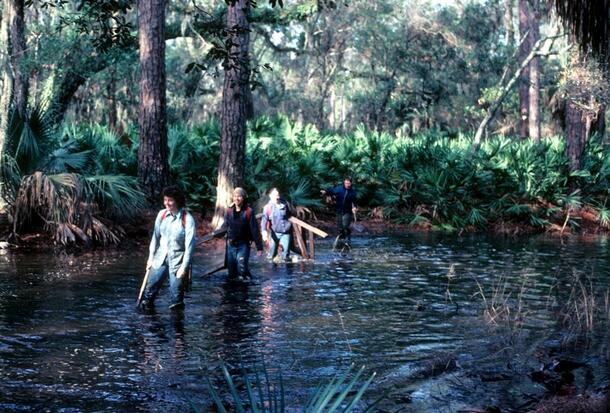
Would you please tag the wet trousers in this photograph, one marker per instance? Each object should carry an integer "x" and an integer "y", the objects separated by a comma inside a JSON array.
[
  {"x": 157, "y": 277},
  {"x": 344, "y": 222},
  {"x": 238, "y": 257},
  {"x": 277, "y": 239}
]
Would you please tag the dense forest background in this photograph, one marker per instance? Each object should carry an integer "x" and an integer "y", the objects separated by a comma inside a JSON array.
[{"x": 452, "y": 115}]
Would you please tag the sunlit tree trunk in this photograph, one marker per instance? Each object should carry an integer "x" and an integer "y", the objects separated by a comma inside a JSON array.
[
  {"x": 529, "y": 87},
  {"x": 152, "y": 153},
  {"x": 524, "y": 83},
  {"x": 534, "y": 84},
  {"x": 7, "y": 82},
  {"x": 508, "y": 20},
  {"x": 234, "y": 109}
]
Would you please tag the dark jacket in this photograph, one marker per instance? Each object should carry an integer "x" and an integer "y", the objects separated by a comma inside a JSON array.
[
  {"x": 278, "y": 215},
  {"x": 242, "y": 226},
  {"x": 345, "y": 198}
]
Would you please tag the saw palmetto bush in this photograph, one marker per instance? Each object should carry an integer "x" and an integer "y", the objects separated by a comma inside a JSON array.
[
  {"x": 251, "y": 390},
  {"x": 430, "y": 179},
  {"x": 68, "y": 181},
  {"x": 193, "y": 161},
  {"x": 284, "y": 155}
]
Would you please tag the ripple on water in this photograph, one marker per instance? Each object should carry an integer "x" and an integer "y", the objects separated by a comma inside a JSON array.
[{"x": 73, "y": 342}]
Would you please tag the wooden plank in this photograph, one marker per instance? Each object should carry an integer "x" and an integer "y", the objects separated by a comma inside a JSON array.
[
  {"x": 312, "y": 248},
  {"x": 215, "y": 268},
  {"x": 299, "y": 237},
  {"x": 305, "y": 225},
  {"x": 214, "y": 234}
]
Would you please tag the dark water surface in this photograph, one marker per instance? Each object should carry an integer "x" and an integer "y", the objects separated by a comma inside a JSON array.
[{"x": 409, "y": 308}]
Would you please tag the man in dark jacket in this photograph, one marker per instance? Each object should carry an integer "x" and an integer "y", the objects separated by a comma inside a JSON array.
[
  {"x": 242, "y": 229},
  {"x": 345, "y": 197},
  {"x": 275, "y": 225}
]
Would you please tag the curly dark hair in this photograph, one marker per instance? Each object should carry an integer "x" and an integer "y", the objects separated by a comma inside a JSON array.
[{"x": 176, "y": 193}]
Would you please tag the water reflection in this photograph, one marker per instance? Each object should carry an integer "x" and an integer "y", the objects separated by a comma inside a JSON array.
[
  {"x": 71, "y": 340},
  {"x": 238, "y": 320}
]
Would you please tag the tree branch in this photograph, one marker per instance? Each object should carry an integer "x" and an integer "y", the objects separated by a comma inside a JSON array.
[{"x": 493, "y": 108}]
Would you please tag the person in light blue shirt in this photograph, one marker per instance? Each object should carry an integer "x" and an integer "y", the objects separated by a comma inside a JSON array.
[
  {"x": 275, "y": 225},
  {"x": 171, "y": 249}
]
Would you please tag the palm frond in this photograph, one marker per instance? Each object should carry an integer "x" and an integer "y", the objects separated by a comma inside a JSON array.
[
  {"x": 338, "y": 395},
  {"x": 119, "y": 195}
]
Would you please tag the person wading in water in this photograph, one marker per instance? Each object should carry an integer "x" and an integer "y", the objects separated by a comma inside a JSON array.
[
  {"x": 242, "y": 229},
  {"x": 345, "y": 198},
  {"x": 275, "y": 225},
  {"x": 171, "y": 250}
]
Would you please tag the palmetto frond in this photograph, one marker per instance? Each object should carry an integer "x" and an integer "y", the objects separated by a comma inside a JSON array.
[
  {"x": 260, "y": 395},
  {"x": 118, "y": 195}
]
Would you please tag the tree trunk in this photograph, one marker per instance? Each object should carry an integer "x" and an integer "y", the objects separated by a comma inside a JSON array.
[
  {"x": 581, "y": 122},
  {"x": 17, "y": 52},
  {"x": 534, "y": 85},
  {"x": 524, "y": 83},
  {"x": 152, "y": 153},
  {"x": 234, "y": 109},
  {"x": 508, "y": 20},
  {"x": 7, "y": 85},
  {"x": 112, "y": 101}
]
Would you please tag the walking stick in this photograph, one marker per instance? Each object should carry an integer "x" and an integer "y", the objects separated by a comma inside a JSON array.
[
  {"x": 144, "y": 281},
  {"x": 358, "y": 227}
]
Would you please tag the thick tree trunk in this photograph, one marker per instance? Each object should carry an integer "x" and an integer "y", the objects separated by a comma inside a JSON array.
[
  {"x": 524, "y": 83},
  {"x": 7, "y": 87},
  {"x": 581, "y": 123},
  {"x": 152, "y": 153},
  {"x": 234, "y": 113},
  {"x": 17, "y": 48}
]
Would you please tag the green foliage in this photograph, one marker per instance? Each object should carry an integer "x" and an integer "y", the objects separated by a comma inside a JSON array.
[
  {"x": 429, "y": 179},
  {"x": 69, "y": 181},
  {"x": 193, "y": 161},
  {"x": 260, "y": 395}
]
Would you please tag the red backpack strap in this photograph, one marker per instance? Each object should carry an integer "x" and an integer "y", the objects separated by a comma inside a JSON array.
[
  {"x": 248, "y": 213},
  {"x": 183, "y": 219}
]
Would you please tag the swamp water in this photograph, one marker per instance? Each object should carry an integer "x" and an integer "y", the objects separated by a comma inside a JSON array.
[{"x": 447, "y": 323}]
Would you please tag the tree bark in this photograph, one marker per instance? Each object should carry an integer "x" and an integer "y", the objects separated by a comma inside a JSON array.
[
  {"x": 524, "y": 83},
  {"x": 534, "y": 81},
  {"x": 234, "y": 109},
  {"x": 7, "y": 84},
  {"x": 495, "y": 105},
  {"x": 581, "y": 123},
  {"x": 508, "y": 20},
  {"x": 17, "y": 51},
  {"x": 152, "y": 153}
]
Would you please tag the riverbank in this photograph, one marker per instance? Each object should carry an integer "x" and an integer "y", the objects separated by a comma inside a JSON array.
[{"x": 136, "y": 233}]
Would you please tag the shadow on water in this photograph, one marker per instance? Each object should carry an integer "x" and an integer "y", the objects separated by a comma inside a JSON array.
[{"x": 446, "y": 321}]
